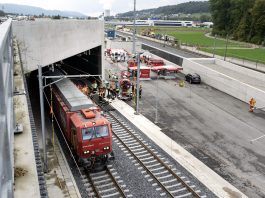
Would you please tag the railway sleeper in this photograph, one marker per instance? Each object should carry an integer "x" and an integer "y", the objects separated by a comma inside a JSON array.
[
  {"x": 100, "y": 177},
  {"x": 144, "y": 155},
  {"x": 130, "y": 142},
  {"x": 161, "y": 173},
  {"x": 110, "y": 195},
  {"x": 141, "y": 154},
  {"x": 147, "y": 158},
  {"x": 159, "y": 168},
  {"x": 178, "y": 190},
  {"x": 172, "y": 186},
  {"x": 164, "y": 177},
  {"x": 108, "y": 190},
  {"x": 102, "y": 181},
  {"x": 124, "y": 136},
  {"x": 153, "y": 165},
  {"x": 149, "y": 162},
  {"x": 135, "y": 146},
  {"x": 137, "y": 150}
]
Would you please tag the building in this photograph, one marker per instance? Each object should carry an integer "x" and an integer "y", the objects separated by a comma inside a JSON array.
[{"x": 106, "y": 13}]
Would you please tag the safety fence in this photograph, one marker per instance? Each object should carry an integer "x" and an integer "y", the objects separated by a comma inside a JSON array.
[{"x": 6, "y": 111}]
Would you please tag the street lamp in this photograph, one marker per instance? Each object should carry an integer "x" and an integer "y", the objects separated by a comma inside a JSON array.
[
  {"x": 137, "y": 83},
  {"x": 156, "y": 118},
  {"x": 134, "y": 27},
  {"x": 226, "y": 47},
  {"x": 43, "y": 128},
  {"x": 214, "y": 45}
]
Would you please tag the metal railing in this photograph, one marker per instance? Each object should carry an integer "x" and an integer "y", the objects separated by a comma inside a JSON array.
[{"x": 6, "y": 111}]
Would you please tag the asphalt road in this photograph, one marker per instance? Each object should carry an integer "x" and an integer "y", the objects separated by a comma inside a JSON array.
[
  {"x": 166, "y": 48},
  {"x": 213, "y": 126}
]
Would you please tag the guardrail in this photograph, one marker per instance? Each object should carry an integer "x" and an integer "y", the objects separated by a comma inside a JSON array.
[{"x": 6, "y": 111}]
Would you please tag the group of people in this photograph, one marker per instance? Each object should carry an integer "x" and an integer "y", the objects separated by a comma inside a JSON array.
[{"x": 109, "y": 90}]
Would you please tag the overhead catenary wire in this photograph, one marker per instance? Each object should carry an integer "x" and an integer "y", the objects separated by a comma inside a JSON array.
[{"x": 81, "y": 71}]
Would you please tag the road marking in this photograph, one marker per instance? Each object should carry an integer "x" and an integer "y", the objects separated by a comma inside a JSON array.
[{"x": 253, "y": 140}]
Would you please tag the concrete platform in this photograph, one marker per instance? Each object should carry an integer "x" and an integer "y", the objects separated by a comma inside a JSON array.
[
  {"x": 59, "y": 179},
  {"x": 26, "y": 178},
  {"x": 205, "y": 175}
]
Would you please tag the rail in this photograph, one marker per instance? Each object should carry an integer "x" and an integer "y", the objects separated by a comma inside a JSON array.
[
  {"x": 105, "y": 181},
  {"x": 6, "y": 111},
  {"x": 191, "y": 190}
]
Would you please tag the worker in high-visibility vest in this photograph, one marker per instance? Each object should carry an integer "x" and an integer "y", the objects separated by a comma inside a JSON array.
[
  {"x": 252, "y": 104},
  {"x": 94, "y": 86}
]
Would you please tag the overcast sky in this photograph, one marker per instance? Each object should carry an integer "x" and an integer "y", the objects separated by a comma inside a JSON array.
[{"x": 95, "y": 7}]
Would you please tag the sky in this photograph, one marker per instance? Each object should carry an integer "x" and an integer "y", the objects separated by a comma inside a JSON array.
[{"x": 95, "y": 7}]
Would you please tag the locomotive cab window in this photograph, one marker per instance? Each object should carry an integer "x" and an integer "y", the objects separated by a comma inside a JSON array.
[
  {"x": 102, "y": 131},
  {"x": 87, "y": 133},
  {"x": 95, "y": 132}
]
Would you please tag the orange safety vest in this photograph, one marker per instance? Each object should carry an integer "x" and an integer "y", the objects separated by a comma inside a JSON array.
[{"x": 252, "y": 102}]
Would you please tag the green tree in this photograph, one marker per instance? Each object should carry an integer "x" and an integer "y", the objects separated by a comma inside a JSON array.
[
  {"x": 205, "y": 18},
  {"x": 220, "y": 15},
  {"x": 258, "y": 22}
]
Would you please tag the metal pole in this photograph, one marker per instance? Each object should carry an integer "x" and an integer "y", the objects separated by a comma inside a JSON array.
[
  {"x": 226, "y": 47},
  {"x": 156, "y": 118},
  {"x": 214, "y": 45},
  {"x": 134, "y": 27},
  {"x": 42, "y": 120},
  {"x": 137, "y": 85}
]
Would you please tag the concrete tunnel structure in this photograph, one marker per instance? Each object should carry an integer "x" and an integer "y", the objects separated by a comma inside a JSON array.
[{"x": 44, "y": 42}]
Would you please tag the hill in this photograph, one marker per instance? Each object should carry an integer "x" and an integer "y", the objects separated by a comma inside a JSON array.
[
  {"x": 186, "y": 8},
  {"x": 32, "y": 10}
]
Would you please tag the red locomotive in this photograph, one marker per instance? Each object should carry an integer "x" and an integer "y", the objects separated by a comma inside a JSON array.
[{"x": 87, "y": 131}]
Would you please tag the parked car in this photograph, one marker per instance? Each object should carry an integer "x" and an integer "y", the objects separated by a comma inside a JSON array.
[{"x": 193, "y": 78}]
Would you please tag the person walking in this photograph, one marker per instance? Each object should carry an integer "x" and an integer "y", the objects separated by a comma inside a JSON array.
[
  {"x": 140, "y": 91},
  {"x": 112, "y": 90},
  {"x": 252, "y": 104},
  {"x": 132, "y": 88},
  {"x": 94, "y": 86}
]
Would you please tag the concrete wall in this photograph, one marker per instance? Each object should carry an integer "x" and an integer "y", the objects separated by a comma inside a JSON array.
[
  {"x": 239, "y": 69},
  {"x": 231, "y": 66},
  {"x": 44, "y": 42},
  {"x": 225, "y": 83},
  {"x": 164, "y": 54}
]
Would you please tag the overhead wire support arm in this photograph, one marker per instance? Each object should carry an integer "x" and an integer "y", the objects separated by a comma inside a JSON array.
[
  {"x": 67, "y": 76},
  {"x": 73, "y": 76}
]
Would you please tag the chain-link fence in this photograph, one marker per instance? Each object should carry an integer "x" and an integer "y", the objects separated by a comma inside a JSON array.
[{"x": 6, "y": 111}]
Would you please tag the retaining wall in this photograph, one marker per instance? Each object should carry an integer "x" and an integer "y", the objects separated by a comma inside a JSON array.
[{"x": 225, "y": 83}]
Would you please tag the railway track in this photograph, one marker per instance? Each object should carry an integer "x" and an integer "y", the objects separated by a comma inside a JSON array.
[
  {"x": 156, "y": 169},
  {"x": 105, "y": 184}
]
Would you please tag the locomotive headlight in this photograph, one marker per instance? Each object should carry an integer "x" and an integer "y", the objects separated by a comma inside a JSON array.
[
  {"x": 106, "y": 148},
  {"x": 86, "y": 152}
]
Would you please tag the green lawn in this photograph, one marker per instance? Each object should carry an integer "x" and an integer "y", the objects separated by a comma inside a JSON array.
[
  {"x": 248, "y": 54},
  {"x": 192, "y": 36},
  {"x": 198, "y": 38}
]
